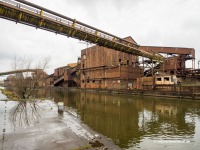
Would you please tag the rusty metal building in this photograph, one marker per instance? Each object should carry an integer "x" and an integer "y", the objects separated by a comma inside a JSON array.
[
  {"x": 108, "y": 69},
  {"x": 175, "y": 59},
  {"x": 67, "y": 76}
]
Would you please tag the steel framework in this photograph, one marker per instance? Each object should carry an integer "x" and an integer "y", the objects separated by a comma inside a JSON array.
[
  {"x": 19, "y": 71},
  {"x": 21, "y": 11}
]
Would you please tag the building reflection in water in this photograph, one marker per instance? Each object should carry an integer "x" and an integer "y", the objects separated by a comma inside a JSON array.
[
  {"x": 25, "y": 113},
  {"x": 129, "y": 120}
]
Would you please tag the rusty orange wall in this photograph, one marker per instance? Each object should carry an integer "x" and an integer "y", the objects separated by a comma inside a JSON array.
[
  {"x": 108, "y": 84},
  {"x": 65, "y": 76},
  {"x": 56, "y": 72},
  {"x": 97, "y": 56},
  {"x": 172, "y": 64},
  {"x": 144, "y": 81},
  {"x": 103, "y": 64},
  {"x": 113, "y": 73}
]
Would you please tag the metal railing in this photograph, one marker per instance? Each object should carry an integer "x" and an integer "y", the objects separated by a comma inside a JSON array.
[{"x": 45, "y": 14}]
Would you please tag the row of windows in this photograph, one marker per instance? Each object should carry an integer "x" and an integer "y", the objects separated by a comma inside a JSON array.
[
  {"x": 165, "y": 79},
  {"x": 120, "y": 60},
  {"x": 127, "y": 62},
  {"x": 93, "y": 81}
]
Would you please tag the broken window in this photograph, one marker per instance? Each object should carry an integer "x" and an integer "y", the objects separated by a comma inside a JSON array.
[
  {"x": 127, "y": 62},
  {"x": 158, "y": 79},
  {"x": 166, "y": 78},
  {"x": 172, "y": 72}
]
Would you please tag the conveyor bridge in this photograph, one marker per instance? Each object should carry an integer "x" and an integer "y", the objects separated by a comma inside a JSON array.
[{"x": 21, "y": 11}]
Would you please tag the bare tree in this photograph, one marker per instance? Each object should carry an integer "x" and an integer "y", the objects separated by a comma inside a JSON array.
[
  {"x": 25, "y": 113},
  {"x": 27, "y": 82}
]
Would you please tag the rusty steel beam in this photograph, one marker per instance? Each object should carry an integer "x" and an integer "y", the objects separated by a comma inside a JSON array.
[
  {"x": 33, "y": 15},
  {"x": 19, "y": 71},
  {"x": 169, "y": 50},
  {"x": 70, "y": 19}
]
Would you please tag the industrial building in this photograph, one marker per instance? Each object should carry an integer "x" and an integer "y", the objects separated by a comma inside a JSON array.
[
  {"x": 103, "y": 68},
  {"x": 114, "y": 63},
  {"x": 67, "y": 76},
  {"x": 106, "y": 68},
  {"x": 174, "y": 62}
]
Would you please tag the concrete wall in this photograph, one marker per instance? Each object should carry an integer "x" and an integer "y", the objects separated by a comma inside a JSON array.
[
  {"x": 165, "y": 80},
  {"x": 151, "y": 82}
]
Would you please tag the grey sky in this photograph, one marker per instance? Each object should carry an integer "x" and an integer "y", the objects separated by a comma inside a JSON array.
[{"x": 172, "y": 23}]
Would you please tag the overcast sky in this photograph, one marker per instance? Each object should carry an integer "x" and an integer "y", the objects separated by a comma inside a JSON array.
[{"x": 173, "y": 23}]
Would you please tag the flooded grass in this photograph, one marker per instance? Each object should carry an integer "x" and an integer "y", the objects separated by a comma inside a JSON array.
[
  {"x": 83, "y": 148},
  {"x": 9, "y": 94}
]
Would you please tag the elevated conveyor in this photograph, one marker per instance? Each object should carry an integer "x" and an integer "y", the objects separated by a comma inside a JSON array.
[
  {"x": 19, "y": 71},
  {"x": 21, "y": 11}
]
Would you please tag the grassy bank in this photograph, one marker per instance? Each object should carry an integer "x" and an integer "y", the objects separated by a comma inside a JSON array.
[{"x": 9, "y": 94}]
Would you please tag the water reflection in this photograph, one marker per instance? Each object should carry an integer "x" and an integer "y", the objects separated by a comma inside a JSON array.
[
  {"x": 25, "y": 113},
  {"x": 131, "y": 120}
]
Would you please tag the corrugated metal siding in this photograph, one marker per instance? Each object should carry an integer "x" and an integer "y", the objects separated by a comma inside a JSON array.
[{"x": 106, "y": 68}]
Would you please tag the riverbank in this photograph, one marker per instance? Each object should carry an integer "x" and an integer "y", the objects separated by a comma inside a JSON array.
[
  {"x": 180, "y": 92},
  {"x": 40, "y": 126},
  {"x": 154, "y": 93},
  {"x": 9, "y": 95}
]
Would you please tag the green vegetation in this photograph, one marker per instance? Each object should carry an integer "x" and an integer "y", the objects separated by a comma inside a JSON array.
[
  {"x": 83, "y": 148},
  {"x": 9, "y": 94}
]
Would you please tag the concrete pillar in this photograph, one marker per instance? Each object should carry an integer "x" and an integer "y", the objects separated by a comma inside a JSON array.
[{"x": 60, "y": 106}]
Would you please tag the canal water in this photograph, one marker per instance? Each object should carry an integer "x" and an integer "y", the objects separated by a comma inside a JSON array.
[{"x": 135, "y": 122}]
